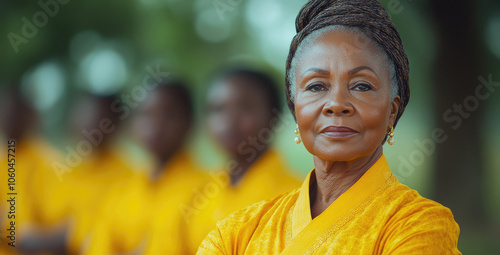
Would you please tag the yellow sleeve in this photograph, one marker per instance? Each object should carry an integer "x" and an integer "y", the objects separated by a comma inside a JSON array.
[
  {"x": 99, "y": 240},
  {"x": 166, "y": 235},
  {"x": 119, "y": 225},
  {"x": 171, "y": 229},
  {"x": 213, "y": 244},
  {"x": 52, "y": 196},
  {"x": 429, "y": 231}
]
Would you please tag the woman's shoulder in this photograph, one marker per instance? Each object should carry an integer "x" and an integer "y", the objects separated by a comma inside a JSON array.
[
  {"x": 415, "y": 220},
  {"x": 409, "y": 202}
]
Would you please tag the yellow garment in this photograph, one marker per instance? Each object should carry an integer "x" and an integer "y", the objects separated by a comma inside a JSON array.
[
  {"x": 136, "y": 206},
  {"x": 31, "y": 157},
  {"x": 265, "y": 179},
  {"x": 377, "y": 215},
  {"x": 86, "y": 186}
]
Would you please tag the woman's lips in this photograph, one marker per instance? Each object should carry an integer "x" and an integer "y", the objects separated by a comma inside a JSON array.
[{"x": 338, "y": 132}]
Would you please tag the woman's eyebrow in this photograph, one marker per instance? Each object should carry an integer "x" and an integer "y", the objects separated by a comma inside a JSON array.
[
  {"x": 359, "y": 68},
  {"x": 326, "y": 72},
  {"x": 316, "y": 70}
]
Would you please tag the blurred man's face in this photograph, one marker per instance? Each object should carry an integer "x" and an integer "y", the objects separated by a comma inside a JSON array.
[
  {"x": 162, "y": 122},
  {"x": 89, "y": 112},
  {"x": 237, "y": 110}
]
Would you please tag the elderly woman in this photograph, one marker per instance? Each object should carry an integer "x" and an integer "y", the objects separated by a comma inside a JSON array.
[{"x": 347, "y": 86}]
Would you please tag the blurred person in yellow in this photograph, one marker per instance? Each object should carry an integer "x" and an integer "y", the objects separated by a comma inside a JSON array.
[
  {"x": 243, "y": 112},
  {"x": 85, "y": 175},
  {"x": 106, "y": 164},
  {"x": 134, "y": 207},
  {"x": 25, "y": 155},
  {"x": 347, "y": 86}
]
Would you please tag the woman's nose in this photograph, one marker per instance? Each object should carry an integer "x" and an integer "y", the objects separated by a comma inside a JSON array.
[{"x": 337, "y": 103}]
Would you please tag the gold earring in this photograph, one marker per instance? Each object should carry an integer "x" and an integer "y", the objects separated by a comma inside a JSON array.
[
  {"x": 297, "y": 138},
  {"x": 390, "y": 141}
]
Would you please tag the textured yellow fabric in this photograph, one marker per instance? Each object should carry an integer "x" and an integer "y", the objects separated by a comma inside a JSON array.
[
  {"x": 87, "y": 185},
  {"x": 33, "y": 158},
  {"x": 377, "y": 215},
  {"x": 265, "y": 179},
  {"x": 134, "y": 207}
]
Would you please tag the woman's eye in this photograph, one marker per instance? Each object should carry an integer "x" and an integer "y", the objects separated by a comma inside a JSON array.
[
  {"x": 362, "y": 86},
  {"x": 316, "y": 87}
]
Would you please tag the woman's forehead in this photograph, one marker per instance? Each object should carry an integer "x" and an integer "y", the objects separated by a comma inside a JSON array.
[{"x": 339, "y": 50}]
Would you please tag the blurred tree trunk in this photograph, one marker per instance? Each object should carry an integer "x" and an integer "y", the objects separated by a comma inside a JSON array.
[{"x": 459, "y": 163}]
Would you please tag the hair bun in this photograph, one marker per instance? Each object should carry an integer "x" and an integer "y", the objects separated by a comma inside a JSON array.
[{"x": 353, "y": 13}]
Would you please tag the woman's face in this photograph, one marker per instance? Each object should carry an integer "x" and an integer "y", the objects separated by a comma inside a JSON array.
[
  {"x": 237, "y": 111},
  {"x": 342, "y": 99}
]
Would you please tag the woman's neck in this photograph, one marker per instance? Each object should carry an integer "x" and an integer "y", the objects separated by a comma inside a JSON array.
[{"x": 333, "y": 178}]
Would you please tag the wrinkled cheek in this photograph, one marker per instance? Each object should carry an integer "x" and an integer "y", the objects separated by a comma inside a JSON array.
[
  {"x": 375, "y": 122},
  {"x": 307, "y": 116}
]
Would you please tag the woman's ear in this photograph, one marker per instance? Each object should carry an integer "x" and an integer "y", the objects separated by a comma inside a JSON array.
[{"x": 396, "y": 102}]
